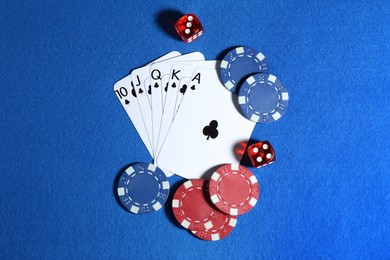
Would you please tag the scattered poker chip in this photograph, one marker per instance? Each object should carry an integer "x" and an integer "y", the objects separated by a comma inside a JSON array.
[
  {"x": 192, "y": 207},
  {"x": 238, "y": 64},
  {"x": 263, "y": 98},
  {"x": 143, "y": 188},
  {"x": 234, "y": 189},
  {"x": 217, "y": 233}
]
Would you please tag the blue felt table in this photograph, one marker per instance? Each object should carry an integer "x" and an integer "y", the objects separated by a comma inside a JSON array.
[{"x": 64, "y": 137}]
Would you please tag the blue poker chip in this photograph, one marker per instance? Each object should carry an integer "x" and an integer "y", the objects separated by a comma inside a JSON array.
[
  {"x": 263, "y": 98},
  {"x": 238, "y": 64},
  {"x": 143, "y": 188}
]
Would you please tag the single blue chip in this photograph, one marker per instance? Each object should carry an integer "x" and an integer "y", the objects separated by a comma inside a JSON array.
[
  {"x": 238, "y": 64},
  {"x": 143, "y": 188},
  {"x": 263, "y": 98}
]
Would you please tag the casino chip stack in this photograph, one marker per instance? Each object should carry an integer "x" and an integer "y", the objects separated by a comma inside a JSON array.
[
  {"x": 262, "y": 97},
  {"x": 209, "y": 210}
]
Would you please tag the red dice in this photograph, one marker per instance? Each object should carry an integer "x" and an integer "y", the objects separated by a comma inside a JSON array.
[
  {"x": 261, "y": 154},
  {"x": 189, "y": 28}
]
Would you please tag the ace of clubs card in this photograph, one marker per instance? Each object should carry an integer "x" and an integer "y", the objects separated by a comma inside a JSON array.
[{"x": 206, "y": 129}]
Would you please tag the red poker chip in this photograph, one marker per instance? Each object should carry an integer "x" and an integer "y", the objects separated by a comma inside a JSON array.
[
  {"x": 217, "y": 234},
  {"x": 234, "y": 189},
  {"x": 193, "y": 209}
]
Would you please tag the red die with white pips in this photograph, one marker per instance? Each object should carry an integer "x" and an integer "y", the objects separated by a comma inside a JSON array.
[
  {"x": 189, "y": 28},
  {"x": 261, "y": 154}
]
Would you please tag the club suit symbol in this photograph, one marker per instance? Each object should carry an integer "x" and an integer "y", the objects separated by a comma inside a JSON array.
[
  {"x": 211, "y": 130},
  {"x": 183, "y": 89}
]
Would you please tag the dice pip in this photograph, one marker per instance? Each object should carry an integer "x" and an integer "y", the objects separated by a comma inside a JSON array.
[
  {"x": 261, "y": 154},
  {"x": 189, "y": 27}
]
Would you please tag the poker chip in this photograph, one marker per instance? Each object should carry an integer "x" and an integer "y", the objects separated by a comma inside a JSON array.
[
  {"x": 238, "y": 64},
  {"x": 263, "y": 98},
  {"x": 218, "y": 233},
  {"x": 234, "y": 189},
  {"x": 193, "y": 209},
  {"x": 143, "y": 188}
]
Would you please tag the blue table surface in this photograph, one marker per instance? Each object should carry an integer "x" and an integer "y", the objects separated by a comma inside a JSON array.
[{"x": 64, "y": 137}]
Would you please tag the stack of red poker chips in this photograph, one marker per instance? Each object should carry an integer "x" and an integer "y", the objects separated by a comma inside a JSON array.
[{"x": 209, "y": 209}]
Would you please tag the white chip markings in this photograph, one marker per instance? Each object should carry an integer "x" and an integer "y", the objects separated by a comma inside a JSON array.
[
  {"x": 224, "y": 64},
  {"x": 234, "y": 167},
  {"x": 253, "y": 179},
  {"x": 152, "y": 167},
  {"x": 214, "y": 198},
  {"x": 130, "y": 170},
  {"x": 239, "y": 50},
  {"x": 260, "y": 56},
  {"x": 229, "y": 85},
  {"x": 165, "y": 185},
  {"x": 134, "y": 209},
  {"x": 121, "y": 191},
  {"x": 157, "y": 206},
  {"x": 185, "y": 223},
  {"x": 255, "y": 118},
  {"x": 234, "y": 211},
  {"x": 276, "y": 116},
  {"x": 208, "y": 225},
  {"x": 233, "y": 222},
  {"x": 253, "y": 202},
  {"x": 214, "y": 237},
  {"x": 215, "y": 176},
  {"x": 250, "y": 80},
  {"x": 271, "y": 78},
  {"x": 175, "y": 203},
  {"x": 188, "y": 184}
]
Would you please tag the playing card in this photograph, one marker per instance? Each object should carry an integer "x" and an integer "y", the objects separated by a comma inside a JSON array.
[
  {"x": 205, "y": 130},
  {"x": 141, "y": 82},
  {"x": 158, "y": 78},
  {"x": 128, "y": 98},
  {"x": 180, "y": 74}
]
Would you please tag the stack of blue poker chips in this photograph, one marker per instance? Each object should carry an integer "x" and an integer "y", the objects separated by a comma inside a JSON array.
[{"x": 262, "y": 97}]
